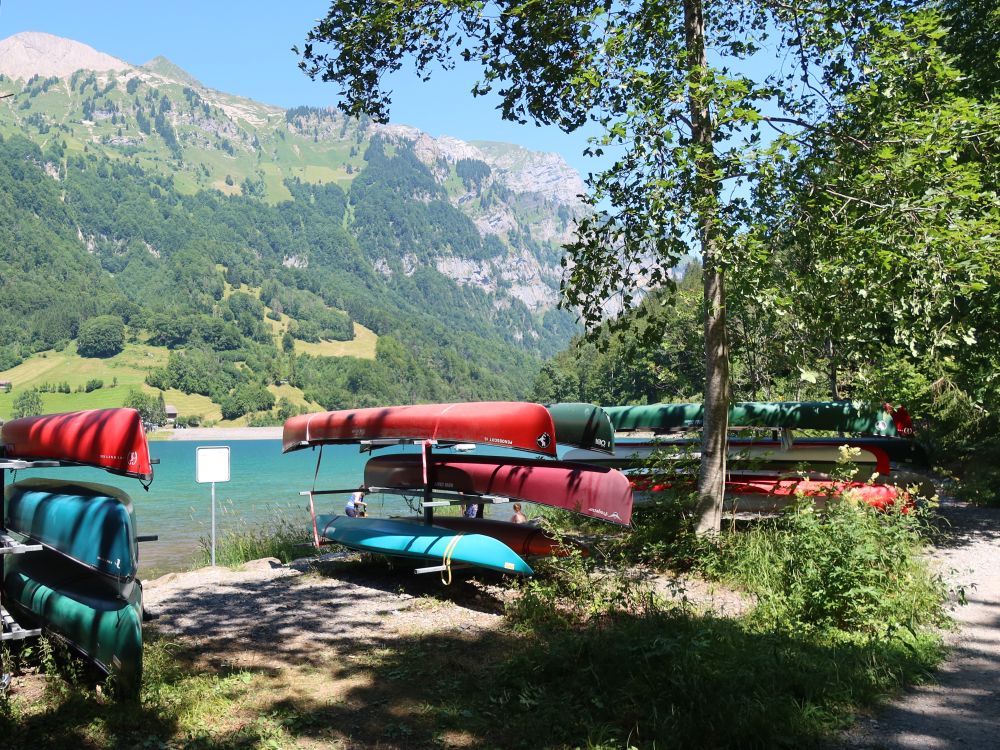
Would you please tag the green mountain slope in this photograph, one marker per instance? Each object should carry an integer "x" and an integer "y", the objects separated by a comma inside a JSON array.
[{"x": 141, "y": 195}]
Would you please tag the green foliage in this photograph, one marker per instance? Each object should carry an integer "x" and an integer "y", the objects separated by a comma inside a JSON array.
[
  {"x": 27, "y": 404},
  {"x": 196, "y": 371},
  {"x": 850, "y": 568},
  {"x": 151, "y": 408},
  {"x": 245, "y": 399},
  {"x": 671, "y": 679},
  {"x": 282, "y": 536},
  {"x": 622, "y": 367},
  {"x": 103, "y": 336}
]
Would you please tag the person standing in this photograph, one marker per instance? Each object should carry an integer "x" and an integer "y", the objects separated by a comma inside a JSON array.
[{"x": 518, "y": 516}]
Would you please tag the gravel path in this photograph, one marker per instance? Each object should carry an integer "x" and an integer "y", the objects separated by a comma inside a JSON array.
[{"x": 962, "y": 709}]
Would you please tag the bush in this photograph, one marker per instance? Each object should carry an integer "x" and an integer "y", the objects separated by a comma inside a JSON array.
[
  {"x": 246, "y": 399},
  {"x": 27, "y": 404},
  {"x": 103, "y": 336},
  {"x": 285, "y": 535},
  {"x": 851, "y": 568},
  {"x": 93, "y": 385}
]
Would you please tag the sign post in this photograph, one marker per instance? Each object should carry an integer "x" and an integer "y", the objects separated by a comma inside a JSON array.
[{"x": 211, "y": 466}]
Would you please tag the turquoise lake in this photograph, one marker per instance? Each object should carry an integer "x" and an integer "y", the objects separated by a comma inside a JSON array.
[{"x": 262, "y": 482}]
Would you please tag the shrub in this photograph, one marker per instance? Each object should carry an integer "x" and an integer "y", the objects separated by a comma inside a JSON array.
[
  {"x": 851, "y": 568},
  {"x": 103, "y": 336},
  {"x": 280, "y": 536},
  {"x": 27, "y": 404}
]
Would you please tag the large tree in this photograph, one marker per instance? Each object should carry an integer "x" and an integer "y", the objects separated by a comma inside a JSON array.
[{"x": 688, "y": 125}]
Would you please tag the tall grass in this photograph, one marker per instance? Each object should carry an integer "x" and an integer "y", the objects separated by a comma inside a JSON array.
[
  {"x": 851, "y": 568},
  {"x": 284, "y": 535},
  {"x": 845, "y": 616}
]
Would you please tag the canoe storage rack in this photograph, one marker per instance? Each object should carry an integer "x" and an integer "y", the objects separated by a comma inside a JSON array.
[{"x": 10, "y": 629}]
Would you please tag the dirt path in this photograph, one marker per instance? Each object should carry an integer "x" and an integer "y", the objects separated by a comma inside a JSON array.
[{"x": 962, "y": 708}]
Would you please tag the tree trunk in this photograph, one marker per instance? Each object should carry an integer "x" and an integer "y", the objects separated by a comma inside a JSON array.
[
  {"x": 834, "y": 384},
  {"x": 712, "y": 476}
]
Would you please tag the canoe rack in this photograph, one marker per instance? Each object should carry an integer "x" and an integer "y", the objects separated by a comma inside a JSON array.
[{"x": 10, "y": 629}]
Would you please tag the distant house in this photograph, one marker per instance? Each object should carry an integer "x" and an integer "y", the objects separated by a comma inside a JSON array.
[
  {"x": 171, "y": 412},
  {"x": 6, "y": 385}
]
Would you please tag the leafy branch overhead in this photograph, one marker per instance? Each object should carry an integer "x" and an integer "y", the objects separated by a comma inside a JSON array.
[
  {"x": 723, "y": 127},
  {"x": 627, "y": 67}
]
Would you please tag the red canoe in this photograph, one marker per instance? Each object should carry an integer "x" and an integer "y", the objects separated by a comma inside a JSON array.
[
  {"x": 111, "y": 439},
  {"x": 505, "y": 424},
  {"x": 781, "y": 490},
  {"x": 594, "y": 491},
  {"x": 879, "y": 496},
  {"x": 523, "y": 538}
]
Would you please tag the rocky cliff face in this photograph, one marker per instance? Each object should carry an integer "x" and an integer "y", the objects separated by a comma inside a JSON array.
[
  {"x": 164, "y": 119},
  {"x": 32, "y": 53}
]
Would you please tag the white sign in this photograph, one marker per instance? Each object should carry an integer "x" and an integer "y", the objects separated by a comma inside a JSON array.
[{"x": 212, "y": 464}]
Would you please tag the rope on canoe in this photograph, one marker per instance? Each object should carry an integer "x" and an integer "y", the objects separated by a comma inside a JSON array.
[{"x": 446, "y": 558}]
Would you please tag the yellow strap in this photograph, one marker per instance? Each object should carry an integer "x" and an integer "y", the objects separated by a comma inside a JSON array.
[{"x": 446, "y": 558}]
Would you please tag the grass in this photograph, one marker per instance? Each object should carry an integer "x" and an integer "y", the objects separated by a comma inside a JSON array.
[
  {"x": 588, "y": 656},
  {"x": 279, "y": 536},
  {"x": 851, "y": 568},
  {"x": 129, "y": 368},
  {"x": 361, "y": 346}
]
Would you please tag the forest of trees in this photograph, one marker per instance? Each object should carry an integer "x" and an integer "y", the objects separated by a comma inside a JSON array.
[{"x": 154, "y": 265}]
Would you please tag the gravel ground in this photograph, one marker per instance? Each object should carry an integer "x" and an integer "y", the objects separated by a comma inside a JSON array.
[
  {"x": 266, "y": 614},
  {"x": 962, "y": 708}
]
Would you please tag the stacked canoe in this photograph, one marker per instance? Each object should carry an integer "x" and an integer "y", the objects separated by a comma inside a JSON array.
[
  {"x": 599, "y": 492},
  {"x": 764, "y": 474},
  {"x": 82, "y": 586}
]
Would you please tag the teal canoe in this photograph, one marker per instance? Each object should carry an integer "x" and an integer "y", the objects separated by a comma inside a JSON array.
[
  {"x": 398, "y": 538},
  {"x": 68, "y": 600},
  {"x": 831, "y": 416},
  {"x": 92, "y": 524},
  {"x": 583, "y": 426}
]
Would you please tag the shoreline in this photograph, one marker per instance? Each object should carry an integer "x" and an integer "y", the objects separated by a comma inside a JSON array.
[{"x": 218, "y": 433}]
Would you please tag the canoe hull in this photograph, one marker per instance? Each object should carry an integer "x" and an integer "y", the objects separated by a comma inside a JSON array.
[
  {"x": 759, "y": 454},
  {"x": 401, "y": 538},
  {"x": 598, "y": 492},
  {"x": 92, "y": 524},
  {"x": 525, "y": 539},
  {"x": 504, "y": 424},
  {"x": 880, "y": 496},
  {"x": 583, "y": 426},
  {"x": 63, "y": 597},
  {"x": 765, "y": 494},
  {"x": 836, "y": 416},
  {"x": 111, "y": 439}
]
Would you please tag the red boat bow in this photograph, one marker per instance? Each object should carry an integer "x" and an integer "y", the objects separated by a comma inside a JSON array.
[
  {"x": 504, "y": 424},
  {"x": 111, "y": 439}
]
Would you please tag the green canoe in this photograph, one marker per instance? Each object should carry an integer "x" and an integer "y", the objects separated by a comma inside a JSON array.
[
  {"x": 92, "y": 524},
  {"x": 832, "y": 416},
  {"x": 583, "y": 426},
  {"x": 75, "y": 604}
]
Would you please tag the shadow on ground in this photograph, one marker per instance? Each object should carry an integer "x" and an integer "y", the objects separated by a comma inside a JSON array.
[{"x": 960, "y": 707}]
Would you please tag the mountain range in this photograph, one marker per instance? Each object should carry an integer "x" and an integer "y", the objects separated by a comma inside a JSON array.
[{"x": 168, "y": 198}]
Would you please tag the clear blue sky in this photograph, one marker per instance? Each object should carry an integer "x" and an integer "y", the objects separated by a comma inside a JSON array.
[{"x": 244, "y": 48}]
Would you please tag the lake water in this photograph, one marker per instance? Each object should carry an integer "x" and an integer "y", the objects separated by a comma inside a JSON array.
[{"x": 262, "y": 482}]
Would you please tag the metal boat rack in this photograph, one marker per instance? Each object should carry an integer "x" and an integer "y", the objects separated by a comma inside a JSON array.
[{"x": 10, "y": 629}]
